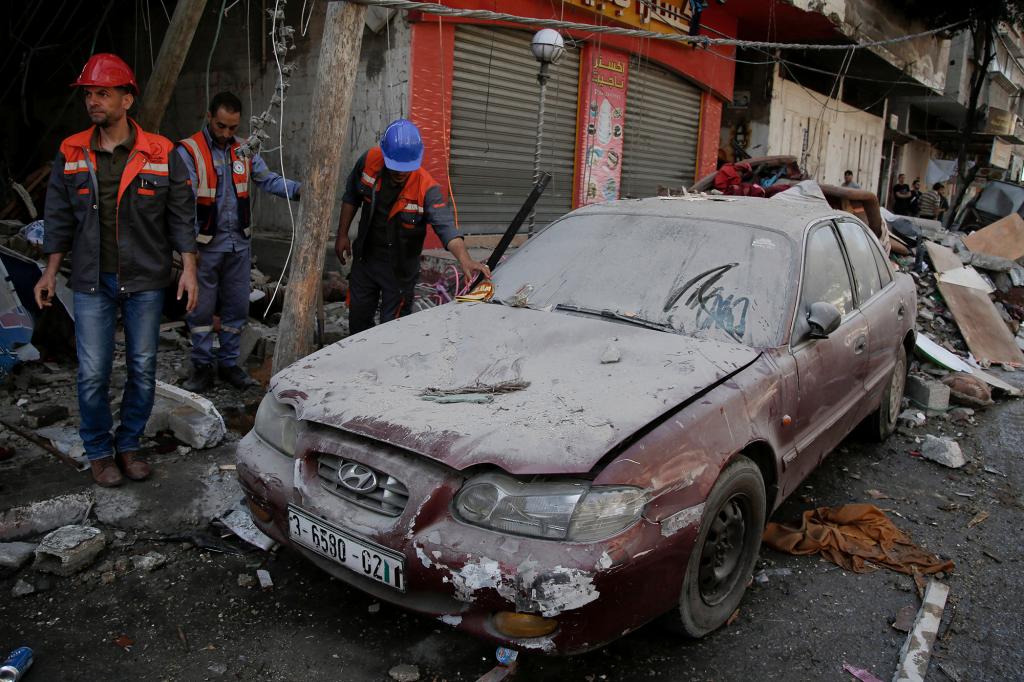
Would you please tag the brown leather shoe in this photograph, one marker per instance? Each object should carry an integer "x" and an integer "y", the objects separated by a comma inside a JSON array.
[
  {"x": 132, "y": 466},
  {"x": 105, "y": 473}
]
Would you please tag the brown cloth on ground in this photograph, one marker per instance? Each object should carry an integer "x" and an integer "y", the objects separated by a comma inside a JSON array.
[{"x": 851, "y": 536}]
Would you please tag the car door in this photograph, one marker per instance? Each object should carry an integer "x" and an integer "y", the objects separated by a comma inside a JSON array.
[
  {"x": 831, "y": 371},
  {"x": 880, "y": 304}
]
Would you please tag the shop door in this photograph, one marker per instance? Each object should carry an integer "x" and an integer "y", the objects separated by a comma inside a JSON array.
[
  {"x": 494, "y": 128},
  {"x": 661, "y": 130}
]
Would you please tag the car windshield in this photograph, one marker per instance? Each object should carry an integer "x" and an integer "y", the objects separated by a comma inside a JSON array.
[{"x": 699, "y": 278}]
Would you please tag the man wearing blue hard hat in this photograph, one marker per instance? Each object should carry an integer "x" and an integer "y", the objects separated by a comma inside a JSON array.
[{"x": 399, "y": 199}]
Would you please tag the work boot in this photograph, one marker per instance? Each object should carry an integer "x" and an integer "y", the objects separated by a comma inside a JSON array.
[
  {"x": 201, "y": 379},
  {"x": 105, "y": 473},
  {"x": 237, "y": 377},
  {"x": 133, "y": 466}
]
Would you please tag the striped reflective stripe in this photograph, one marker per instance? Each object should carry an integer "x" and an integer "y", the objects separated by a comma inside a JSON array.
[
  {"x": 204, "y": 238},
  {"x": 241, "y": 187},
  {"x": 75, "y": 167},
  {"x": 205, "y": 329},
  {"x": 229, "y": 330},
  {"x": 203, "y": 190},
  {"x": 155, "y": 168},
  {"x": 369, "y": 179},
  {"x": 413, "y": 207}
]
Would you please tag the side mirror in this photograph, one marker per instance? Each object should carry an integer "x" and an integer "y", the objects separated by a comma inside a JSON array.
[{"x": 823, "y": 318}]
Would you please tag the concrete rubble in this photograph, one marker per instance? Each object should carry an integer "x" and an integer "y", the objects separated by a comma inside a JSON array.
[
  {"x": 14, "y": 555},
  {"x": 190, "y": 417},
  {"x": 41, "y": 517},
  {"x": 943, "y": 450},
  {"x": 70, "y": 549}
]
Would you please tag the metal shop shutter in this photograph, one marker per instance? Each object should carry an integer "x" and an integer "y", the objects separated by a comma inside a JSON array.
[
  {"x": 494, "y": 129},
  {"x": 662, "y": 125}
]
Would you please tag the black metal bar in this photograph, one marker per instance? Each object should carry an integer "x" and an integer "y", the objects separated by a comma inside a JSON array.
[{"x": 513, "y": 227}]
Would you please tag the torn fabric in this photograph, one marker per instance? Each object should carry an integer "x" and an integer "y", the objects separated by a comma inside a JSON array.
[{"x": 854, "y": 536}]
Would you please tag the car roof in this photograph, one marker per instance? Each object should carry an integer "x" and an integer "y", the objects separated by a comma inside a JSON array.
[{"x": 790, "y": 216}]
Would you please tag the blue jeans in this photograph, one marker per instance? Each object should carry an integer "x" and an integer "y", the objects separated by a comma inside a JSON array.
[{"x": 95, "y": 320}]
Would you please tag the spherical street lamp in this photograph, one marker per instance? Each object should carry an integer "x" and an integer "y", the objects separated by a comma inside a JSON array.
[{"x": 547, "y": 47}]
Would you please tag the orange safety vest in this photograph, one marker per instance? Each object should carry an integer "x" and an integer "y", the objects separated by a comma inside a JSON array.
[
  {"x": 148, "y": 158},
  {"x": 409, "y": 204},
  {"x": 206, "y": 190}
]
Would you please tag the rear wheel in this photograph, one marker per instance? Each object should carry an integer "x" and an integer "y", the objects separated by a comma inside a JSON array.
[
  {"x": 726, "y": 549},
  {"x": 883, "y": 422}
]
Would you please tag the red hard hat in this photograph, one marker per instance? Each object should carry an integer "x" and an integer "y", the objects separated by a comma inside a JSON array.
[{"x": 105, "y": 70}]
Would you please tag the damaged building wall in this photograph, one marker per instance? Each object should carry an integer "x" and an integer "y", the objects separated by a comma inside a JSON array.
[
  {"x": 827, "y": 135},
  {"x": 745, "y": 120}
]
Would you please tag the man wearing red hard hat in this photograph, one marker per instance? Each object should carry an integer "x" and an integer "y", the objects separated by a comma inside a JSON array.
[{"x": 119, "y": 202}]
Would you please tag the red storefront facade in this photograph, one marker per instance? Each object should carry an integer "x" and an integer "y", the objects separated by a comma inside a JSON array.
[{"x": 706, "y": 73}]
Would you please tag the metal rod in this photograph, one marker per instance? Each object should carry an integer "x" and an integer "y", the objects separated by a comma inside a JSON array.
[{"x": 542, "y": 78}]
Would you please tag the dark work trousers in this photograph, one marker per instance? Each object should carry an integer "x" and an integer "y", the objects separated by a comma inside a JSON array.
[
  {"x": 374, "y": 285},
  {"x": 223, "y": 277}
]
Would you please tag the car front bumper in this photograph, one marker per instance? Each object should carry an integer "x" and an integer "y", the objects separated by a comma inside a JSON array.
[{"x": 462, "y": 574}]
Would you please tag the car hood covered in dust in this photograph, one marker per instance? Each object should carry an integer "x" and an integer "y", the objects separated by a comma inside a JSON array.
[{"x": 591, "y": 384}]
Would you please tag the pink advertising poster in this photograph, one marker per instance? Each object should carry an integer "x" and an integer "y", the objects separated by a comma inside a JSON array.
[{"x": 602, "y": 125}]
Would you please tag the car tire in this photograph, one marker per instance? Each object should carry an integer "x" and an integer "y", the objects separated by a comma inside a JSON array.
[
  {"x": 725, "y": 551},
  {"x": 883, "y": 422}
]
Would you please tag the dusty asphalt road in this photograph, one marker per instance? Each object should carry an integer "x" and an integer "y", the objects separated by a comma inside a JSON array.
[{"x": 190, "y": 619}]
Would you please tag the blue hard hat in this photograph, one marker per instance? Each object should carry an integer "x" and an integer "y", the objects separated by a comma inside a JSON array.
[{"x": 402, "y": 146}]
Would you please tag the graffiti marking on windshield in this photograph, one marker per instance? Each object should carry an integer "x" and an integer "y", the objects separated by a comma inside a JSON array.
[{"x": 728, "y": 313}]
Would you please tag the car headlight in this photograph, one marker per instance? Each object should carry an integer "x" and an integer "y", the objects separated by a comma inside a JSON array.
[
  {"x": 276, "y": 424},
  {"x": 570, "y": 510}
]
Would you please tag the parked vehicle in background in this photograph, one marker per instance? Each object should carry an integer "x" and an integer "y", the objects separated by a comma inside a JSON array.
[{"x": 552, "y": 473}]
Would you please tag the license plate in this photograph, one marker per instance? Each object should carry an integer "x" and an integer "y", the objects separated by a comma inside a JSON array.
[{"x": 357, "y": 554}]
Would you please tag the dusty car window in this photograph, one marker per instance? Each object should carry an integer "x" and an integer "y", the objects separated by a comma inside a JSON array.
[
  {"x": 700, "y": 277},
  {"x": 825, "y": 275},
  {"x": 865, "y": 270}
]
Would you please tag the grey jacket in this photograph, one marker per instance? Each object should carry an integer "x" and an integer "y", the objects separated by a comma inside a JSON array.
[{"x": 155, "y": 213}]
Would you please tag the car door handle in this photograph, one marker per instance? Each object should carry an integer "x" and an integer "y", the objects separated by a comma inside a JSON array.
[{"x": 860, "y": 344}]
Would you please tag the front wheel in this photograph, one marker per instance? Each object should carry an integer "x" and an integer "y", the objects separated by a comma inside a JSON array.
[{"x": 726, "y": 549}]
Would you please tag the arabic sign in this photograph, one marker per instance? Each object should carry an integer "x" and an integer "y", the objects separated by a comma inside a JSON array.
[
  {"x": 602, "y": 125},
  {"x": 663, "y": 16}
]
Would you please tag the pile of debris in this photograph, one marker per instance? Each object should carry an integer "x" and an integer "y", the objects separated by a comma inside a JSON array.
[{"x": 969, "y": 314}]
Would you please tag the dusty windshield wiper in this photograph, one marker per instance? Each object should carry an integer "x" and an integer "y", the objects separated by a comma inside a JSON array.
[{"x": 619, "y": 317}]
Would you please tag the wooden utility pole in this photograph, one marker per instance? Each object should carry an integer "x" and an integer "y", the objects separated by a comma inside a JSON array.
[
  {"x": 173, "y": 51},
  {"x": 332, "y": 106}
]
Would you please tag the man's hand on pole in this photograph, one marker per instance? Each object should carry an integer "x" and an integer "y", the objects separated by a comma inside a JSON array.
[{"x": 188, "y": 284}]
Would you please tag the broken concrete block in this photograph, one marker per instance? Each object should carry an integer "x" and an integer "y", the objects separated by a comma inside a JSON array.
[
  {"x": 39, "y": 417},
  {"x": 266, "y": 582},
  {"x": 148, "y": 562},
  {"x": 195, "y": 421},
  {"x": 22, "y": 588},
  {"x": 929, "y": 395},
  {"x": 967, "y": 389},
  {"x": 944, "y": 450},
  {"x": 198, "y": 430},
  {"x": 42, "y": 517},
  {"x": 68, "y": 550},
  {"x": 246, "y": 580},
  {"x": 14, "y": 555},
  {"x": 252, "y": 334}
]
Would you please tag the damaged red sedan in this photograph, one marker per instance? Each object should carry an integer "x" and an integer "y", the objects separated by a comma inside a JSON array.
[{"x": 601, "y": 443}]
